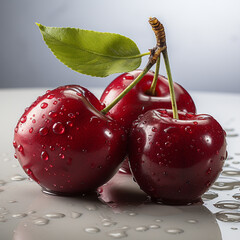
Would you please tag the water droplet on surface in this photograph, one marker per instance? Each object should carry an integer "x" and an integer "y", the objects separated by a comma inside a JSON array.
[
  {"x": 20, "y": 148},
  {"x": 154, "y": 226},
  {"x": 76, "y": 215},
  {"x": 227, "y": 204},
  {"x": 40, "y": 221},
  {"x": 43, "y": 105},
  {"x": 58, "y": 128},
  {"x": 236, "y": 196},
  {"x": 71, "y": 115},
  {"x": 43, "y": 131},
  {"x": 224, "y": 183},
  {"x": 23, "y": 119},
  {"x": 234, "y": 173},
  {"x": 19, "y": 215},
  {"x": 18, "y": 178},
  {"x": 34, "y": 121},
  {"x": 192, "y": 221},
  {"x": 141, "y": 229},
  {"x": 117, "y": 234},
  {"x": 174, "y": 230},
  {"x": 129, "y": 77},
  {"x": 55, "y": 215},
  {"x": 55, "y": 103},
  {"x": 209, "y": 171},
  {"x": 188, "y": 129},
  {"x": 61, "y": 155},
  {"x": 44, "y": 156},
  {"x": 154, "y": 129},
  {"x": 92, "y": 230},
  {"x": 228, "y": 216},
  {"x": 30, "y": 130},
  {"x": 52, "y": 114},
  {"x": 209, "y": 195}
]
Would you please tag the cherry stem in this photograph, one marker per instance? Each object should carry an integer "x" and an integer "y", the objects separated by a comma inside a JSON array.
[
  {"x": 128, "y": 88},
  {"x": 170, "y": 81},
  {"x": 152, "y": 90}
]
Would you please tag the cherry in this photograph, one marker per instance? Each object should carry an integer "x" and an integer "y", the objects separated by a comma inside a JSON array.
[
  {"x": 176, "y": 160},
  {"x": 138, "y": 100},
  {"x": 66, "y": 144}
]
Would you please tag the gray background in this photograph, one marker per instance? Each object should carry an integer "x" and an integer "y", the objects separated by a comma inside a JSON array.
[{"x": 203, "y": 39}]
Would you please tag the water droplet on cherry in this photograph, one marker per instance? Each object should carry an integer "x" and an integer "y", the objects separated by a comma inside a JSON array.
[
  {"x": 44, "y": 156},
  {"x": 43, "y": 105},
  {"x": 43, "y": 131},
  {"x": 58, "y": 128}
]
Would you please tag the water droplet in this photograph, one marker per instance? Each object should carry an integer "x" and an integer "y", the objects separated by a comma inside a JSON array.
[
  {"x": 192, "y": 221},
  {"x": 19, "y": 215},
  {"x": 20, "y": 148},
  {"x": 58, "y": 128},
  {"x": 18, "y": 178},
  {"x": 76, "y": 215},
  {"x": 141, "y": 229},
  {"x": 228, "y": 216},
  {"x": 154, "y": 226},
  {"x": 236, "y": 196},
  {"x": 54, "y": 215},
  {"x": 209, "y": 171},
  {"x": 50, "y": 96},
  {"x": 234, "y": 173},
  {"x": 224, "y": 183},
  {"x": 69, "y": 137},
  {"x": 61, "y": 155},
  {"x": 52, "y": 114},
  {"x": 195, "y": 123},
  {"x": 40, "y": 221},
  {"x": 23, "y": 119},
  {"x": 43, "y": 105},
  {"x": 227, "y": 204},
  {"x": 188, "y": 129},
  {"x": 174, "y": 230},
  {"x": 92, "y": 230},
  {"x": 71, "y": 115},
  {"x": 117, "y": 234},
  {"x": 55, "y": 103},
  {"x": 108, "y": 223},
  {"x": 44, "y": 156},
  {"x": 14, "y": 144},
  {"x": 168, "y": 144},
  {"x": 129, "y": 76},
  {"x": 30, "y": 130},
  {"x": 69, "y": 123},
  {"x": 209, "y": 195},
  {"x": 154, "y": 129},
  {"x": 43, "y": 131}
]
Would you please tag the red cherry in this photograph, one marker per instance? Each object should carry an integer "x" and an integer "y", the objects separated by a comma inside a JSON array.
[
  {"x": 72, "y": 147},
  {"x": 176, "y": 161},
  {"x": 138, "y": 101}
]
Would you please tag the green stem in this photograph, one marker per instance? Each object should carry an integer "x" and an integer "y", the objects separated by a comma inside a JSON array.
[
  {"x": 128, "y": 88},
  {"x": 154, "y": 82},
  {"x": 171, "y": 88}
]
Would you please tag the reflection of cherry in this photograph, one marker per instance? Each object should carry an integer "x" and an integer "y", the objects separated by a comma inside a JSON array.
[
  {"x": 138, "y": 101},
  {"x": 66, "y": 144},
  {"x": 176, "y": 161}
]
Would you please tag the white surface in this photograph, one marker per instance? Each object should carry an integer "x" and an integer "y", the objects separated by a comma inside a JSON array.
[{"x": 124, "y": 210}]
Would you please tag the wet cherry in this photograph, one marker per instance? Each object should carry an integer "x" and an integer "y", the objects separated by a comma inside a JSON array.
[
  {"x": 176, "y": 161},
  {"x": 70, "y": 143},
  {"x": 138, "y": 101}
]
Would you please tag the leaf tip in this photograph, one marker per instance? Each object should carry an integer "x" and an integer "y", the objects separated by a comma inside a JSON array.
[{"x": 39, "y": 25}]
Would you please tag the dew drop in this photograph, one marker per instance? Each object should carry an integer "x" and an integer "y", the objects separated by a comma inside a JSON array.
[
  {"x": 30, "y": 130},
  {"x": 52, "y": 114},
  {"x": 61, "y": 155},
  {"x": 227, "y": 204},
  {"x": 50, "y": 96},
  {"x": 69, "y": 123},
  {"x": 209, "y": 195},
  {"x": 23, "y": 119},
  {"x": 174, "y": 230},
  {"x": 43, "y": 105},
  {"x": 154, "y": 129},
  {"x": 19, "y": 215},
  {"x": 34, "y": 121},
  {"x": 20, "y": 148},
  {"x": 55, "y": 103},
  {"x": 92, "y": 230},
  {"x": 154, "y": 226},
  {"x": 117, "y": 234},
  {"x": 54, "y": 215},
  {"x": 192, "y": 221},
  {"x": 224, "y": 183},
  {"x": 40, "y": 221},
  {"x": 188, "y": 129},
  {"x": 108, "y": 223},
  {"x": 141, "y": 229},
  {"x": 44, "y": 156},
  {"x": 14, "y": 144},
  {"x": 43, "y": 131},
  {"x": 129, "y": 77},
  {"x": 236, "y": 196},
  {"x": 58, "y": 128},
  {"x": 228, "y": 216},
  {"x": 234, "y": 173},
  {"x": 18, "y": 178}
]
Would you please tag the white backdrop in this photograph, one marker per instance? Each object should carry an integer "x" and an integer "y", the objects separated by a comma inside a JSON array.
[{"x": 203, "y": 39}]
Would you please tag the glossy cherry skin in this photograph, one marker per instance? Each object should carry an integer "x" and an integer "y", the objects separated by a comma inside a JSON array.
[
  {"x": 66, "y": 144},
  {"x": 176, "y": 161},
  {"x": 138, "y": 101}
]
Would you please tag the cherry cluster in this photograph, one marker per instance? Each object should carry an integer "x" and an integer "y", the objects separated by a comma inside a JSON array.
[{"x": 70, "y": 142}]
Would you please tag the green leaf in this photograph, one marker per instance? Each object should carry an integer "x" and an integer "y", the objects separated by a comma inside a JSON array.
[{"x": 92, "y": 53}]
